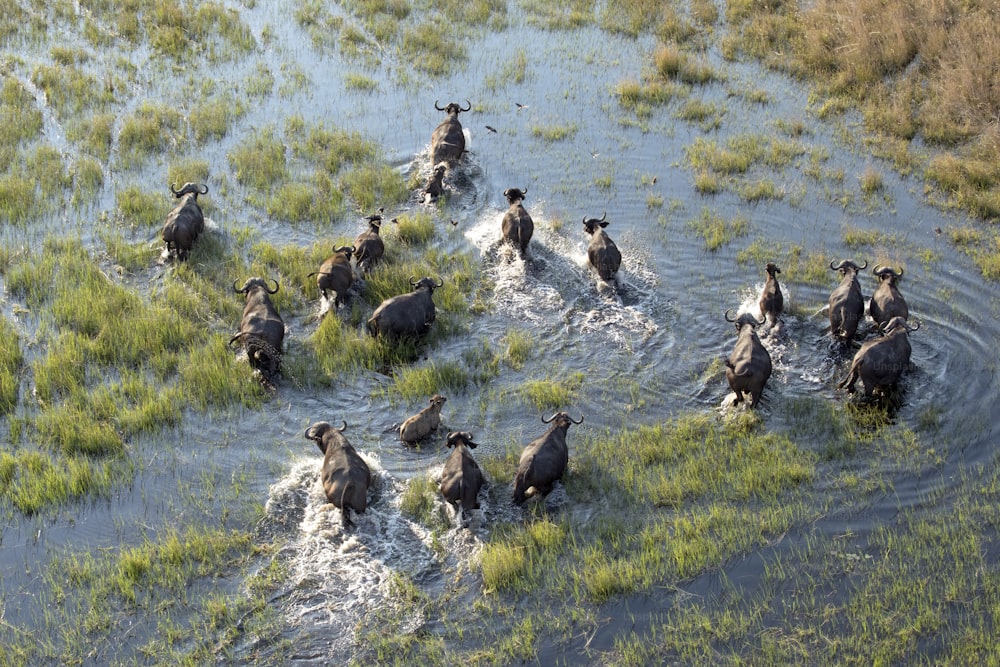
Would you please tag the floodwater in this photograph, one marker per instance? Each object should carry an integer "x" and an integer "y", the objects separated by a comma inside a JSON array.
[{"x": 658, "y": 330}]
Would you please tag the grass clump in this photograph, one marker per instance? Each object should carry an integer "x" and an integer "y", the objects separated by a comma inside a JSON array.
[
  {"x": 431, "y": 48},
  {"x": 552, "y": 394},
  {"x": 558, "y": 16},
  {"x": 716, "y": 230},
  {"x": 11, "y": 361},
  {"x": 551, "y": 133},
  {"x": 151, "y": 130},
  {"x": 421, "y": 501},
  {"x": 260, "y": 162}
]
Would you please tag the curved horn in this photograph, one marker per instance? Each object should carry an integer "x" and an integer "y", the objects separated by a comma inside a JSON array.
[
  {"x": 437, "y": 106},
  {"x": 468, "y": 105},
  {"x": 549, "y": 420},
  {"x": 900, "y": 274},
  {"x": 839, "y": 266},
  {"x": 344, "y": 427},
  {"x": 762, "y": 320},
  {"x": 204, "y": 189},
  {"x": 729, "y": 310},
  {"x": 574, "y": 421},
  {"x": 272, "y": 291},
  {"x": 238, "y": 289},
  {"x": 524, "y": 192},
  {"x": 913, "y": 328},
  {"x": 174, "y": 190},
  {"x": 234, "y": 338},
  {"x": 440, "y": 282},
  {"x": 862, "y": 268},
  {"x": 603, "y": 216},
  {"x": 413, "y": 281}
]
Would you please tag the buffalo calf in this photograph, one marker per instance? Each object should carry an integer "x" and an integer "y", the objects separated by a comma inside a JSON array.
[{"x": 420, "y": 425}]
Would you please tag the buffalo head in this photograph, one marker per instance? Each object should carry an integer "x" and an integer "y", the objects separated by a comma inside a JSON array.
[
  {"x": 514, "y": 195},
  {"x": 189, "y": 188},
  {"x": 591, "y": 225},
  {"x": 453, "y": 108},
  {"x": 425, "y": 283},
  {"x": 255, "y": 282},
  {"x": 745, "y": 318}
]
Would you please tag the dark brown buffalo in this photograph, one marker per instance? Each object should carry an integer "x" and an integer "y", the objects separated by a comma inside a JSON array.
[
  {"x": 262, "y": 330},
  {"x": 461, "y": 478},
  {"x": 847, "y": 305},
  {"x": 406, "y": 315},
  {"x": 185, "y": 222},
  {"x": 880, "y": 363},
  {"x": 336, "y": 274},
  {"x": 602, "y": 252},
  {"x": 772, "y": 302},
  {"x": 748, "y": 367},
  {"x": 544, "y": 460},
  {"x": 887, "y": 302},
  {"x": 346, "y": 476},
  {"x": 448, "y": 139},
  {"x": 517, "y": 226}
]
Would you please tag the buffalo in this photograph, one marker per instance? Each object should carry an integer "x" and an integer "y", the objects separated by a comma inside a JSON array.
[
  {"x": 545, "y": 458},
  {"x": 602, "y": 251},
  {"x": 368, "y": 246},
  {"x": 420, "y": 425},
  {"x": 748, "y": 367},
  {"x": 262, "y": 331},
  {"x": 448, "y": 140},
  {"x": 435, "y": 184},
  {"x": 771, "y": 300},
  {"x": 461, "y": 478},
  {"x": 847, "y": 306},
  {"x": 186, "y": 221},
  {"x": 406, "y": 315},
  {"x": 517, "y": 226},
  {"x": 346, "y": 476},
  {"x": 336, "y": 274},
  {"x": 887, "y": 302},
  {"x": 880, "y": 362}
]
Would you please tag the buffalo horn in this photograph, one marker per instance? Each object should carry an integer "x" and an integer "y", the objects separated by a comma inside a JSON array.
[
  {"x": 272, "y": 291},
  {"x": 237, "y": 289},
  {"x": 438, "y": 106},
  {"x": 204, "y": 189},
  {"x": 344, "y": 427},
  {"x": 468, "y": 105},
  {"x": 413, "y": 281},
  {"x": 727, "y": 315},
  {"x": 174, "y": 190},
  {"x": 440, "y": 282},
  {"x": 839, "y": 266}
]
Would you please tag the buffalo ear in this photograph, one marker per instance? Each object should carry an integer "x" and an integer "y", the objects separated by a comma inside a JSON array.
[{"x": 604, "y": 224}]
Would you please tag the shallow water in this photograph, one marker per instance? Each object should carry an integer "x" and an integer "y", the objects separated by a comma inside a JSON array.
[{"x": 658, "y": 329}]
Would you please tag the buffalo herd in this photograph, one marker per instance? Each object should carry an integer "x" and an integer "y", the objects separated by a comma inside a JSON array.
[{"x": 346, "y": 478}]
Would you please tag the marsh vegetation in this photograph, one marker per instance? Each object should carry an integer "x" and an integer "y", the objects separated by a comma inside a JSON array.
[{"x": 159, "y": 501}]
